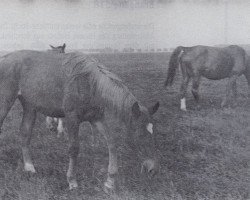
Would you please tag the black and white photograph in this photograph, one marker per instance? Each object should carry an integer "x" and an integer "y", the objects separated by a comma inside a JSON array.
[{"x": 124, "y": 99}]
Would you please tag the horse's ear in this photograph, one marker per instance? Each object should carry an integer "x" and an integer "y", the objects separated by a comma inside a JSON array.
[
  {"x": 136, "y": 110},
  {"x": 63, "y": 46},
  {"x": 152, "y": 110},
  {"x": 52, "y": 47}
]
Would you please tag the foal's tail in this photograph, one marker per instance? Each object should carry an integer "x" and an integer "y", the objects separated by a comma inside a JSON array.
[{"x": 173, "y": 64}]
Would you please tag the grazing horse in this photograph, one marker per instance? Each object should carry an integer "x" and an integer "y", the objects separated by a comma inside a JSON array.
[
  {"x": 78, "y": 88},
  {"x": 211, "y": 62},
  {"x": 51, "y": 120}
]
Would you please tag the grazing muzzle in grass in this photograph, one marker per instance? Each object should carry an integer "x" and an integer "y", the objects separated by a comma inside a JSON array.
[{"x": 141, "y": 137}]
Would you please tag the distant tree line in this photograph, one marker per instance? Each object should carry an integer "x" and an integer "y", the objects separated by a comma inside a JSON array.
[
  {"x": 125, "y": 50},
  {"x": 125, "y": 3}
]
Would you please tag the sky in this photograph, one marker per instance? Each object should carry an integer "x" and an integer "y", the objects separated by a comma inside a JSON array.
[{"x": 144, "y": 24}]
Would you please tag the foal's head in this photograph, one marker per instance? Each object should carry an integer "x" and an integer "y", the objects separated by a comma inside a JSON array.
[
  {"x": 142, "y": 136},
  {"x": 58, "y": 49}
]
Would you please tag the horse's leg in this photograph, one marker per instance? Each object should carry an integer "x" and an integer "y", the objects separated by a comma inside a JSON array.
[
  {"x": 234, "y": 93},
  {"x": 110, "y": 185},
  {"x": 72, "y": 125},
  {"x": 28, "y": 121},
  {"x": 8, "y": 95},
  {"x": 183, "y": 92},
  {"x": 60, "y": 128},
  {"x": 195, "y": 88},
  {"x": 5, "y": 105},
  {"x": 229, "y": 87},
  {"x": 49, "y": 123},
  {"x": 234, "y": 89},
  {"x": 247, "y": 76}
]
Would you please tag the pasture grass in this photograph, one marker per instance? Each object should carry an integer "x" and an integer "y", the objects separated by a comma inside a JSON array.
[{"x": 205, "y": 153}]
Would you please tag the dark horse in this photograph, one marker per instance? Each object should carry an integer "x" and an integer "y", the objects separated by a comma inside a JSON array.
[
  {"x": 211, "y": 62},
  {"x": 78, "y": 88}
]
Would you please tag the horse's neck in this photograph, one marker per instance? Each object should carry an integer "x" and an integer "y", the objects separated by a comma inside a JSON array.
[
  {"x": 130, "y": 129},
  {"x": 126, "y": 112}
]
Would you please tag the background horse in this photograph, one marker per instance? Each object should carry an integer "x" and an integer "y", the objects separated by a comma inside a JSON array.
[
  {"x": 79, "y": 89},
  {"x": 58, "y": 49},
  {"x": 50, "y": 121},
  {"x": 211, "y": 62}
]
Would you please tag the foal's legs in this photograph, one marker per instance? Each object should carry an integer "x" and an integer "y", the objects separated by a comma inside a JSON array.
[
  {"x": 229, "y": 87},
  {"x": 49, "y": 122},
  {"x": 28, "y": 121},
  {"x": 183, "y": 92},
  {"x": 72, "y": 125},
  {"x": 110, "y": 184},
  {"x": 59, "y": 121}
]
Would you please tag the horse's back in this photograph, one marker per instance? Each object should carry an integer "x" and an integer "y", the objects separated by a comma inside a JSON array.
[
  {"x": 40, "y": 77},
  {"x": 215, "y": 62},
  {"x": 56, "y": 83},
  {"x": 237, "y": 52}
]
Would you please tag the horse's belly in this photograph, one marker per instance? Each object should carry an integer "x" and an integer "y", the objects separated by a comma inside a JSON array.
[
  {"x": 214, "y": 76},
  {"x": 54, "y": 112},
  {"x": 48, "y": 102},
  {"x": 216, "y": 72}
]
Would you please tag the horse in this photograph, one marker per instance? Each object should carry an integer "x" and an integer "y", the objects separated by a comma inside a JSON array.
[
  {"x": 77, "y": 88},
  {"x": 58, "y": 49},
  {"x": 211, "y": 62},
  {"x": 50, "y": 121}
]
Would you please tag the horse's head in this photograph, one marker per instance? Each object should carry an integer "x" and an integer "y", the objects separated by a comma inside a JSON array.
[
  {"x": 59, "y": 49},
  {"x": 142, "y": 136}
]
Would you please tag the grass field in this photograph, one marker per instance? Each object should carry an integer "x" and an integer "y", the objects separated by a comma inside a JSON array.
[{"x": 205, "y": 153}]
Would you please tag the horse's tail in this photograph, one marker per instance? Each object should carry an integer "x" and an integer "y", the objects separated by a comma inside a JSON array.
[{"x": 173, "y": 64}]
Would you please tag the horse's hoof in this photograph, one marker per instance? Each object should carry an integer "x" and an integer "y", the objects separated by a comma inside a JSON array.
[
  {"x": 73, "y": 185},
  {"x": 29, "y": 168},
  {"x": 51, "y": 128},
  {"x": 61, "y": 131},
  {"x": 59, "y": 134},
  {"x": 184, "y": 109},
  {"x": 62, "y": 135},
  {"x": 109, "y": 189}
]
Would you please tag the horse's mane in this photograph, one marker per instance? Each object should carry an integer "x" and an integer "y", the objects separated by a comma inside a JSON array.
[{"x": 105, "y": 87}]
